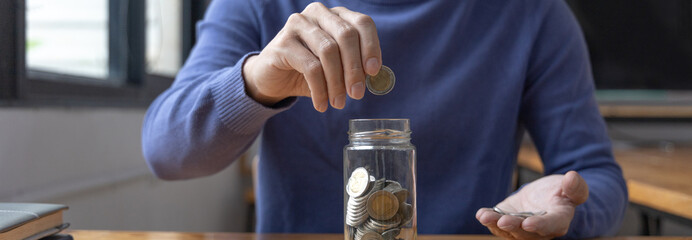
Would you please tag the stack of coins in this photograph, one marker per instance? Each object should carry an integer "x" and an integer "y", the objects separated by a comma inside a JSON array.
[{"x": 376, "y": 209}]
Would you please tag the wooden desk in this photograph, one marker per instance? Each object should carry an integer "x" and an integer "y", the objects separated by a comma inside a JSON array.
[
  {"x": 643, "y": 111},
  {"x": 656, "y": 179},
  {"x": 117, "y": 235}
]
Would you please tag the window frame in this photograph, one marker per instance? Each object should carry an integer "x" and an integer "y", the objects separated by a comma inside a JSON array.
[{"x": 130, "y": 85}]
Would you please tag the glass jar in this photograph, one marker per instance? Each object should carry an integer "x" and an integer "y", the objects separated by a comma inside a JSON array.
[{"x": 379, "y": 181}]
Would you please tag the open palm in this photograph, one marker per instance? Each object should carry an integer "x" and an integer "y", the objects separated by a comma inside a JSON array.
[{"x": 558, "y": 195}]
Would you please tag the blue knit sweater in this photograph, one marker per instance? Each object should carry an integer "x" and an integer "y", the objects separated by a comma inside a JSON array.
[{"x": 472, "y": 75}]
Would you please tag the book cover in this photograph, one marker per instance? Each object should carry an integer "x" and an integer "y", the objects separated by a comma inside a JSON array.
[{"x": 30, "y": 220}]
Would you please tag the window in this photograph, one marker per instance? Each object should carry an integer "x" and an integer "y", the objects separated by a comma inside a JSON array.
[
  {"x": 68, "y": 37},
  {"x": 164, "y": 44},
  {"x": 92, "y": 52}
]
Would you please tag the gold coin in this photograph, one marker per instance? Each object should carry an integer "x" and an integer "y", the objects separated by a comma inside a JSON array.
[
  {"x": 382, "y": 205},
  {"x": 382, "y": 83}
]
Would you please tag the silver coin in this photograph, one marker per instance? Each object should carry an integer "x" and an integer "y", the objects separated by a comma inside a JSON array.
[
  {"x": 357, "y": 202},
  {"x": 350, "y": 233},
  {"x": 391, "y": 233},
  {"x": 353, "y": 212},
  {"x": 377, "y": 185},
  {"x": 519, "y": 214},
  {"x": 360, "y": 231},
  {"x": 371, "y": 236},
  {"x": 381, "y": 226},
  {"x": 358, "y": 235},
  {"x": 359, "y": 199},
  {"x": 356, "y": 212},
  {"x": 351, "y": 223},
  {"x": 395, "y": 188},
  {"x": 356, "y": 206},
  {"x": 406, "y": 213},
  {"x": 356, "y": 222},
  {"x": 392, "y": 186},
  {"x": 382, "y": 83},
  {"x": 358, "y": 183},
  {"x": 357, "y": 217},
  {"x": 402, "y": 195}
]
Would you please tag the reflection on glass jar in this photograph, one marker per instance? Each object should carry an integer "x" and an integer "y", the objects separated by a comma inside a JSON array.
[{"x": 380, "y": 181}]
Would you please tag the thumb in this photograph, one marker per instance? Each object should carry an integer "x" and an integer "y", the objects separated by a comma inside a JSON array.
[{"x": 575, "y": 188}]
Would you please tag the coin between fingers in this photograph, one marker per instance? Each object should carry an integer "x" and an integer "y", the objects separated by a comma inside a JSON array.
[{"x": 382, "y": 83}]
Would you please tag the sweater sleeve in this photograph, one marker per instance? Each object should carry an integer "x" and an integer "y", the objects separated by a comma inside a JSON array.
[
  {"x": 205, "y": 120},
  {"x": 560, "y": 113}
]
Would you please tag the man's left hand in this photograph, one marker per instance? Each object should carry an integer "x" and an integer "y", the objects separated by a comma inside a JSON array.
[{"x": 558, "y": 195}]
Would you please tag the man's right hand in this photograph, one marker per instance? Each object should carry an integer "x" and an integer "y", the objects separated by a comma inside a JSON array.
[{"x": 320, "y": 53}]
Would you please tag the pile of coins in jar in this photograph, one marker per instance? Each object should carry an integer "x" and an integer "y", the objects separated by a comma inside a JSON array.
[{"x": 376, "y": 208}]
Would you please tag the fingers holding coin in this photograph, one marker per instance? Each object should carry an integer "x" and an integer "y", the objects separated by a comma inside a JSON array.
[
  {"x": 367, "y": 58},
  {"x": 334, "y": 36},
  {"x": 320, "y": 53}
]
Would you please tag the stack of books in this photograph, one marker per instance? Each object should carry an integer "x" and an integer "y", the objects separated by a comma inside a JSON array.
[{"x": 32, "y": 221}]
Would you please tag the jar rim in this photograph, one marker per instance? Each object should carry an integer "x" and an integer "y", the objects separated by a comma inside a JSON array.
[
  {"x": 381, "y": 134},
  {"x": 378, "y": 119},
  {"x": 379, "y": 128}
]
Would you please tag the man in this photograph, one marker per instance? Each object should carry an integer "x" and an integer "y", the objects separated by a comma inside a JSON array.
[{"x": 471, "y": 76}]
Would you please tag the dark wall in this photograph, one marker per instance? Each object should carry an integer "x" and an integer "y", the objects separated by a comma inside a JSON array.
[{"x": 643, "y": 44}]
